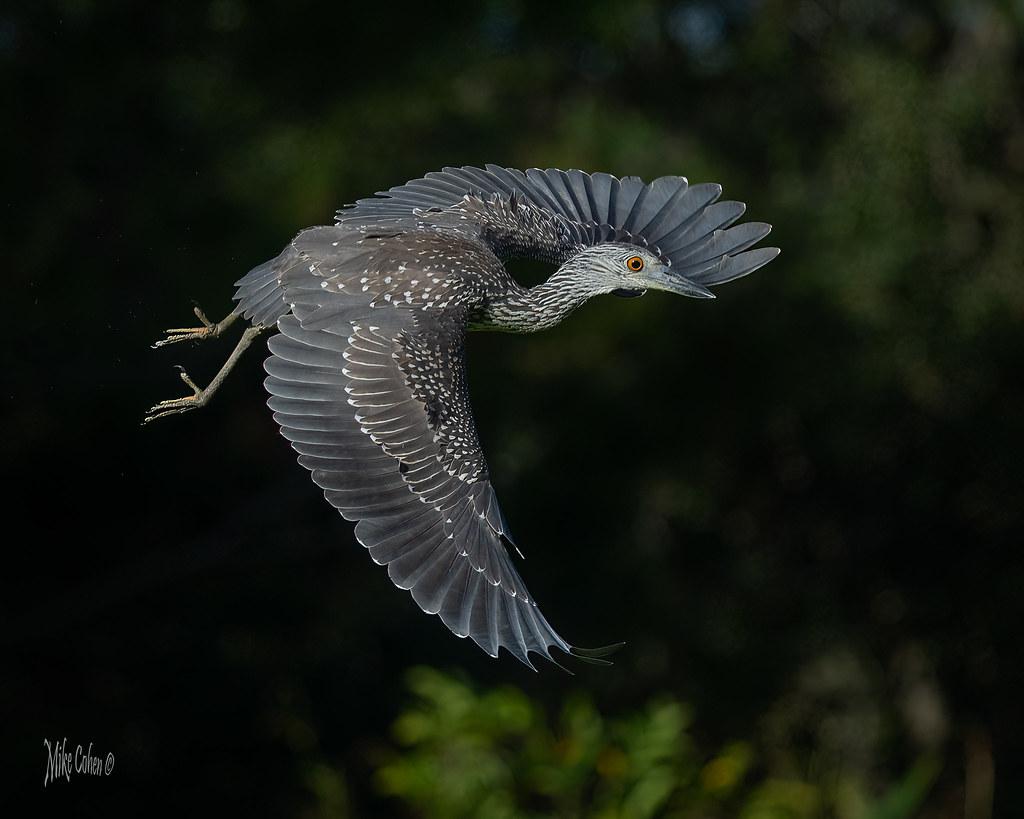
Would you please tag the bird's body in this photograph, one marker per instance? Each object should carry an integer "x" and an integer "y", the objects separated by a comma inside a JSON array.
[{"x": 367, "y": 376}]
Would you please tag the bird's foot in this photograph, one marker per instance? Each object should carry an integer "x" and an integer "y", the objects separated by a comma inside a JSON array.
[
  {"x": 208, "y": 330},
  {"x": 174, "y": 406},
  {"x": 201, "y": 397}
]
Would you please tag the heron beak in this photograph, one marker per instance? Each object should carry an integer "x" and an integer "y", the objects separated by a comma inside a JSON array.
[{"x": 664, "y": 279}]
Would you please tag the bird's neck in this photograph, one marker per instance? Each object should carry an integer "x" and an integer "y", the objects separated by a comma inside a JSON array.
[{"x": 529, "y": 309}]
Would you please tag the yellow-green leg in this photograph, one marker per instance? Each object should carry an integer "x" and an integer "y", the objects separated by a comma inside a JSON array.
[{"x": 201, "y": 397}]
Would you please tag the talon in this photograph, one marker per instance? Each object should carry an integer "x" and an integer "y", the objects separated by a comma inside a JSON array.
[
  {"x": 184, "y": 376},
  {"x": 208, "y": 330},
  {"x": 173, "y": 406}
]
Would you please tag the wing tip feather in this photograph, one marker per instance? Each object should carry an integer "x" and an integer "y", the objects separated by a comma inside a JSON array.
[{"x": 595, "y": 656}]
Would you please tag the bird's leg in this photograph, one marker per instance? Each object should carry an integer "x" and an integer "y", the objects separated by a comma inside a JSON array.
[
  {"x": 208, "y": 330},
  {"x": 201, "y": 397}
]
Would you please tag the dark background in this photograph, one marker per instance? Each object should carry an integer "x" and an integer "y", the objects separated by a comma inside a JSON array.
[{"x": 800, "y": 505}]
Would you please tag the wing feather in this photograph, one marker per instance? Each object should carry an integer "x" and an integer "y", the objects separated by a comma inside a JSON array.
[
  {"x": 657, "y": 205},
  {"x": 341, "y": 381}
]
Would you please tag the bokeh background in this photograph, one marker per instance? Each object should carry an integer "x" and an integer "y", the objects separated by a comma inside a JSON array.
[{"x": 800, "y": 505}]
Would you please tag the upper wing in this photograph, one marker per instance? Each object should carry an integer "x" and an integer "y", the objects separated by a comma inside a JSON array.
[
  {"x": 374, "y": 400},
  {"x": 684, "y": 224},
  {"x": 549, "y": 215}
]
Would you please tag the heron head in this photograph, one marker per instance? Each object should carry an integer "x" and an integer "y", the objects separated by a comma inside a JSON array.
[{"x": 629, "y": 270}]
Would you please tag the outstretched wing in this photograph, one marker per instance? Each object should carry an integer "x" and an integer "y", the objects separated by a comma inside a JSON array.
[
  {"x": 684, "y": 224},
  {"x": 548, "y": 215},
  {"x": 372, "y": 394}
]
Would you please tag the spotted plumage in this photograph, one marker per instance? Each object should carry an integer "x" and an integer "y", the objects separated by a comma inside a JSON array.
[{"x": 367, "y": 372}]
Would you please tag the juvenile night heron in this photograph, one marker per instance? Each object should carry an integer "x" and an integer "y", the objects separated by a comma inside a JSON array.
[{"x": 367, "y": 374}]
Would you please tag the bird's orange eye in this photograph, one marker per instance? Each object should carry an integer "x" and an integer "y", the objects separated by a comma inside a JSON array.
[{"x": 635, "y": 263}]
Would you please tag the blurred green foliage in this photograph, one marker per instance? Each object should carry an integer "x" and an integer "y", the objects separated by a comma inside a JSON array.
[{"x": 495, "y": 753}]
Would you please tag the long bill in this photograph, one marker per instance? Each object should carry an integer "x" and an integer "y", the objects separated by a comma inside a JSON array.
[{"x": 660, "y": 280}]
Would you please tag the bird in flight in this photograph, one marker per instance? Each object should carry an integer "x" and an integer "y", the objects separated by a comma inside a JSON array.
[{"x": 367, "y": 375}]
